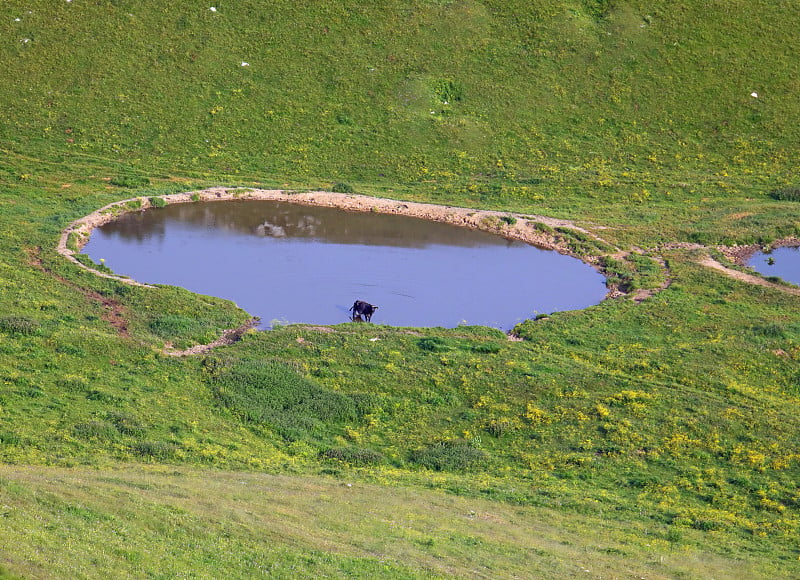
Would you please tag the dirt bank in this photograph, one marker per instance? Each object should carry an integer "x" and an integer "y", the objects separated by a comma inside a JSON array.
[{"x": 740, "y": 255}]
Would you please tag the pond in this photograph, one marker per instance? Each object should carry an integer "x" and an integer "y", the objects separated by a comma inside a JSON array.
[
  {"x": 289, "y": 263},
  {"x": 782, "y": 262}
]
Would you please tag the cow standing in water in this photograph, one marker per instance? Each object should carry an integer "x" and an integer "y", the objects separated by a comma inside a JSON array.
[{"x": 361, "y": 308}]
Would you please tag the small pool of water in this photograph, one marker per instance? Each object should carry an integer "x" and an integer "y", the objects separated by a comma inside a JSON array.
[
  {"x": 290, "y": 263},
  {"x": 781, "y": 262}
]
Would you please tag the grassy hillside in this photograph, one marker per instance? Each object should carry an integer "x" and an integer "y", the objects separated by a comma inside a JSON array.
[{"x": 670, "y": 427}]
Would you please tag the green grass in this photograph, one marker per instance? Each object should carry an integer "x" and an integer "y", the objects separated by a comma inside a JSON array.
[
  {"x": 654, "y": 439},
  {"x": 142, "y": 521}
]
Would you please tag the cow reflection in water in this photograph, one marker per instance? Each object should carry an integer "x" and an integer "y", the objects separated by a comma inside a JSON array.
[{"x": 362, "y": 311}]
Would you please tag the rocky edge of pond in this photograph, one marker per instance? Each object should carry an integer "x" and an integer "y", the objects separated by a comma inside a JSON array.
[{"x": 516, "y": 226}]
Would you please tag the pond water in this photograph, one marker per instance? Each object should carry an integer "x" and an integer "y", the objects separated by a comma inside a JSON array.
[
  {"x": 288, "y": 263},
  {"x": 781, "y": 262}
]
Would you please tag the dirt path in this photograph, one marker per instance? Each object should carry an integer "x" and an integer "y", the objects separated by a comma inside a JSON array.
[
  {"x": 228, "y": 337},
  {"x": 739, "y": 255},
  {"x": 710, "y": 262}
]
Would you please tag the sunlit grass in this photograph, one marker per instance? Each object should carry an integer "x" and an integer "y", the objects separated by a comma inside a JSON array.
[{"x": 656, "y": 439}]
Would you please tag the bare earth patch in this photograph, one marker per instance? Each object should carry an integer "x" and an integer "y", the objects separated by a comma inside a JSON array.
[{"x": 228, "y": 337}]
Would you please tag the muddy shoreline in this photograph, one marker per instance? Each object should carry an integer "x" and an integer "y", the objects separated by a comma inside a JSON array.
[
  {"x": 740, "y": 255},
  {"x": 506, "y": 224}
]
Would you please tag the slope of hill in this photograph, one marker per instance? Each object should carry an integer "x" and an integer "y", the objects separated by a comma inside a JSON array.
[{"x": 674, "y": 420}]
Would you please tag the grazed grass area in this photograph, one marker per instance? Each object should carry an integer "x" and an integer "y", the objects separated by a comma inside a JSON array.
[
  {"x": 672, "y": 423},
  {"x": 147, "y": 522}
]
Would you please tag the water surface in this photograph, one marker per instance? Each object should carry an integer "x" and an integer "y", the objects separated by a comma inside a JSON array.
[
  {"x": 781, "y": 262},
  {"x": 291, "y": 263}
]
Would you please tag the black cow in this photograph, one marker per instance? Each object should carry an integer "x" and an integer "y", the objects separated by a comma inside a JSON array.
[{"x": 361, "y": 308}]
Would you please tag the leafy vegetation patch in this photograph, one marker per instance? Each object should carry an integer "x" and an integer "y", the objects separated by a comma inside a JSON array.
[
  {"x": 786, "y": 194},
  {"x": 131, "y": 181},
  {"x": 19, "y": 325},
  {"x": 451, "y": 455},
  {"x": 274, "y": 394}
]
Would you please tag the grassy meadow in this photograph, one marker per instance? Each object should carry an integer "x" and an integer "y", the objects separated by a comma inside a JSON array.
[{"x": 655, "y": 440}]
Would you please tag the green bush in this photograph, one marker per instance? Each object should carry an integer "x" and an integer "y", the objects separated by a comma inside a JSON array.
[
  {"x": 126, "y": 424},
  {"x": 343, "y": 188},
  {"x": 130, "y": 181},
  {"x": 448, "y": 91},
  {"x": 19, "y": 325},
  {"x": 273, "y": 393},
  {"x": 154, "y": 449},
  {"x": 455, "y": 455},
  {"x": 786, "y": 194},
  {"x": 542, "y": 227},
  {"x": 96, "y": 430},
  {"x": 433, "y": 344},
  {"x": 9, "y": 439},
  {"x": 510, "y": 220},
  {"x": 358, "y": 456},
  {"x": 171, "y": 325},
  {"x": 158, "y": 202},
  {"x": 769, "y": 330},
  {"x": 487, "y": 348}
]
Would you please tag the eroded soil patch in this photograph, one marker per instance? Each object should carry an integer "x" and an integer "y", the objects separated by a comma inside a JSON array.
[{"x": 113, "y": 312}]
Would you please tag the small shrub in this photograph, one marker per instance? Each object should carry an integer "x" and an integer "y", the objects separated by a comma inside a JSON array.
[
  {"x": 171, "y": 325},
  {"x": 273, "y": 393},
  {"x": 769, "y": 330},
  {"x": 357, "y": 456},
  {"x": 456, "y": 455},
  {"x": 19, "y": 325},
  {"x": 432, "y": 344},
  {"x": 343, "y": 188},
  {"x": 343, "y": 119},
  {"x": 158, "y": 202},
  {"x": 598, "y": 9},
  {"x": 96, "y": 430},
  {"x": 499, "y": 427},
  {"x": 448, "y": 91},
  {"x": 126, "y": 424},
  {"x": 542, "y": 227},
  {"x": 9, "y": 439},
  {"x": 487, "y": 348},
  {"x": 195, "y": 197},
  {"x": 154, "y": 449},
  {"x": 786, "y": 194},
  {"x": 72, "y": 383},
  {"x": 510, "y": 220},
  {"x": 129, "y": 181}
]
